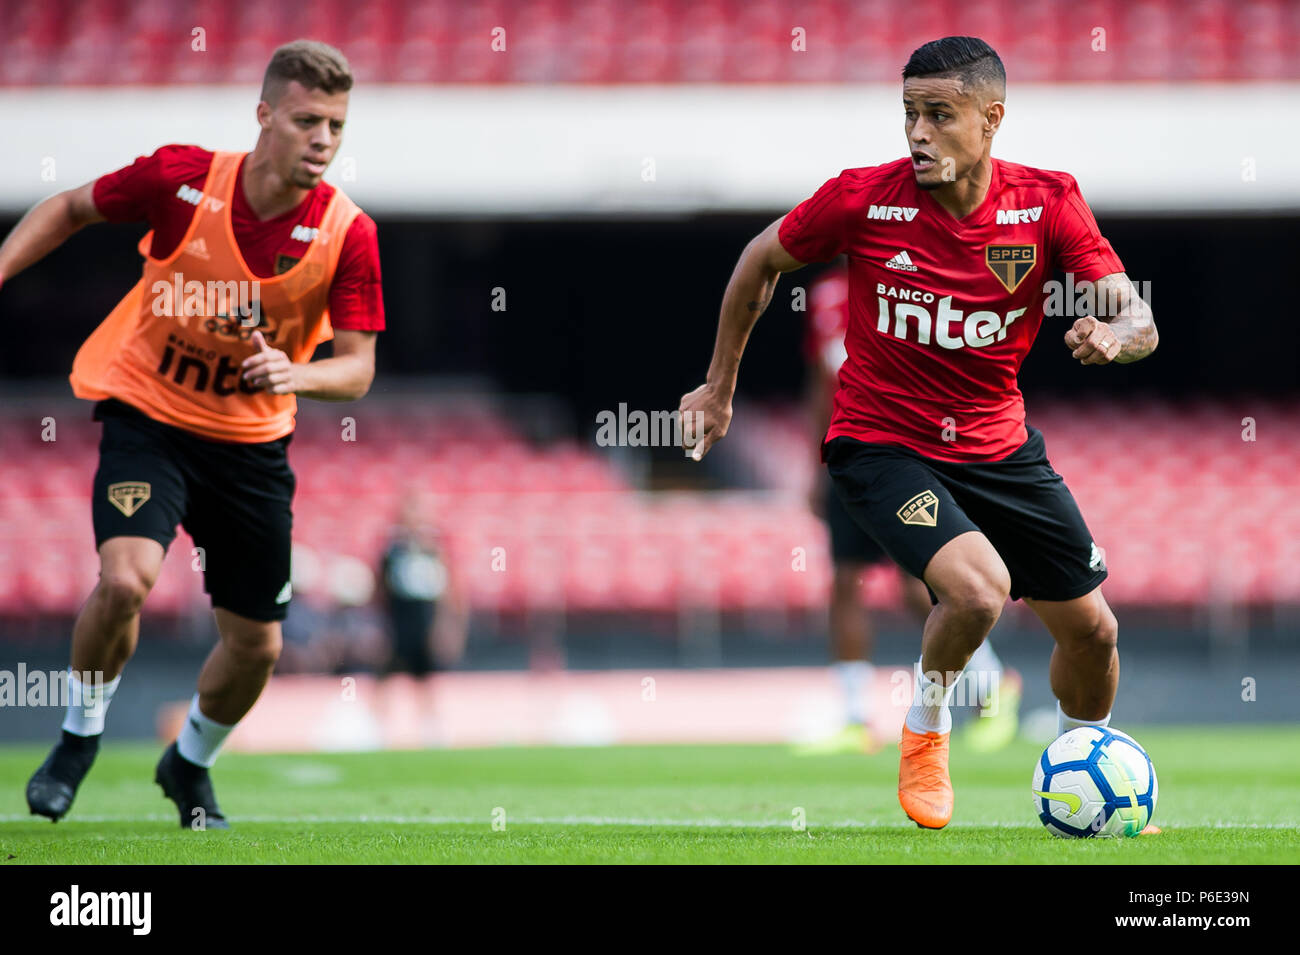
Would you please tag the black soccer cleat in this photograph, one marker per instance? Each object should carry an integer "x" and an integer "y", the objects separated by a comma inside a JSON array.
[
  {"x": 190, "y": 787},
  {"x": 52, "y": 788}
]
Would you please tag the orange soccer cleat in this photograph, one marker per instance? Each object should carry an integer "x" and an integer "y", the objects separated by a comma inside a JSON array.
[{"x": 924, "y": 788}]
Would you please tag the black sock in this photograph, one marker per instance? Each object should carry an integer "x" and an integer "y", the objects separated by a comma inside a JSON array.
[{"x": 80, "y": 743}]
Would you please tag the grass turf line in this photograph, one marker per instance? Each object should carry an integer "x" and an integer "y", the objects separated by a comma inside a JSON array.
[{"x": 1228, "y": 795}]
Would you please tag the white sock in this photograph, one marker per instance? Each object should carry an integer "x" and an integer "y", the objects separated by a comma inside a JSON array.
[
  {"x": 855, "y": 678},
  {"x": 88, "y": 705},
  {"x": 1066, "y": 723},
  {"x": 984, "y": 660},
  {"x": 200, "y": 737},
  {"x": 929, "y": 712}
]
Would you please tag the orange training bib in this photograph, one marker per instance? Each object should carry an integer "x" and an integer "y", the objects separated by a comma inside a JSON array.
[{"x": 173, "y": 346}]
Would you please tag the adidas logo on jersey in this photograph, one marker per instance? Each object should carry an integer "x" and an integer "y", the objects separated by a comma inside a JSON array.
[
  {"x": 301, "y": 233},
  {"x": 194, "y": 197},
  {"x": 1019, "y": 216},
  {"x": 892, "y": 213},
  {"x": 901, "y": 261},
  {"x": 199, "y": 249}
]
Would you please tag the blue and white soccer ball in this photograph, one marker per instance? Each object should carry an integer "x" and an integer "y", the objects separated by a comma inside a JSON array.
[{"x": 1095, "y": 781}]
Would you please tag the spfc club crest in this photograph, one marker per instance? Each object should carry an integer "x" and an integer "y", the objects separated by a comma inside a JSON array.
[
  {"x": 1010, "y": 263},
  {"x": 922, "y": 510}
]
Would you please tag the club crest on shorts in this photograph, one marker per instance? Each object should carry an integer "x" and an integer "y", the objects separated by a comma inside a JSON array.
[
  {"x": 1010, "y": 263},
  {"x": 128, "y": 496},
  {"x": 922, "y": 510}
]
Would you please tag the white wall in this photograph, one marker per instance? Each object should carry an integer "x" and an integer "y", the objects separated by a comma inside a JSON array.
[{"x": 580, "y": 150}]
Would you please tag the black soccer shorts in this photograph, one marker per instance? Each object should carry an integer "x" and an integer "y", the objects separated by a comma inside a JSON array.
[
  {"x": 235, "y": 500},
  {"x": 913, "y": 505},
  {"x": 850, "y": 544}
]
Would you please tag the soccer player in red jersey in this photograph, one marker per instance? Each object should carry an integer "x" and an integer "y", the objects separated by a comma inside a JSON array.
[
  {"x": 929, "y": 451},
  {"x": 252, "y": 261}
]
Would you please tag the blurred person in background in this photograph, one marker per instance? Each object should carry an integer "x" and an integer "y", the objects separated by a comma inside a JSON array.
[
  {"x": 425, "y": 609},
  {"x": 853, "y": 551}
]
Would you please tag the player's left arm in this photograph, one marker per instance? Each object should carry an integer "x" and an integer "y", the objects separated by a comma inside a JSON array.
[
  {"x": 1121, "y": 328},
  {"x": 344, "y": 377},
  {"x": 356, "y": 306}
]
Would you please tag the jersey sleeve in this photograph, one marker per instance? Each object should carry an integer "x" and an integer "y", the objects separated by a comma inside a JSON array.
[
  {"x": 130, "y": 194},
  {"x": 1077, "y": 244},
  {"x": 357, "y": 294},
  {"x": 814, "y": 230}
]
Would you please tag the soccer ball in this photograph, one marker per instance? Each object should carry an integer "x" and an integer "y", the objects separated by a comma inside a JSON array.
[{"x": 1095, "y": 781}]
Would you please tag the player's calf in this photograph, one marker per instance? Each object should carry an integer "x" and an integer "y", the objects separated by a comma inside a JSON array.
[{"x": 1085, "y": 663}]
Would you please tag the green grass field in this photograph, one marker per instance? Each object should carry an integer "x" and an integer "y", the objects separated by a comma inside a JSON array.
[{"x": 1226, "y": 796}]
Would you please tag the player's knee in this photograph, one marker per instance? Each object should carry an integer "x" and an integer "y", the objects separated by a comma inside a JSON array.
[
  {"x": 979, "y": 596},
  {"x": 122, "y": 592},
  {"x": 1105, "y": 635},
  {"x": 256, "y": 646},
  {"x": 1097, "y": 635}
]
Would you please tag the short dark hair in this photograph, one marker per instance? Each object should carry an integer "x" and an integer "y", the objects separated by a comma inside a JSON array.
[
  {"x": 316, "y": 65},
  {"x": 965, "y": 58}
]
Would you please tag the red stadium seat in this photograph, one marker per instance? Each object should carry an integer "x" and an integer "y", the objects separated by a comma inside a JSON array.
[{"x": 651, "y": 41}]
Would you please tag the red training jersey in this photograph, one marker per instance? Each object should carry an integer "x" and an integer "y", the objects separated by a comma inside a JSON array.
[
  {"x": 943, "y": 311},
  {"x": 165, "y": 187}
]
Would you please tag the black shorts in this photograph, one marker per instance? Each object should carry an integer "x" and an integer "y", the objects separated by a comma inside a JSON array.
[
  {"x": 411, "y": 621},
  {"x": 850, "y": 544},
  {"x": 913, "y": 505},
  {"x": 235, "y": 500}
]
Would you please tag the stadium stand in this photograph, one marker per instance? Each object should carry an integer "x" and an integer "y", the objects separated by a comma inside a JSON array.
[
  {"x": 1185, "y": 509},
  {"x": 60, "y": 42}
]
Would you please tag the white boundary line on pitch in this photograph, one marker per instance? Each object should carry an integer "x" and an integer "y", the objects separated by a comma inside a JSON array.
[{"x": 614, "y": 821}]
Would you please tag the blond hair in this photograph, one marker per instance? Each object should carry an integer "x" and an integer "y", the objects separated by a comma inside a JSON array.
[{"x": 316, "y": 65}]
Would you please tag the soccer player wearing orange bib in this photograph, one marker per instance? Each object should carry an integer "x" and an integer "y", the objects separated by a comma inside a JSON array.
[
  {"x": 252, "y": 262},
  {"x": 949, "y": 251}
]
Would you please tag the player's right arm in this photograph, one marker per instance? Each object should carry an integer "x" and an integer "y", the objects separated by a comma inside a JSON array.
[
  {"x": 748, "y": 294},
  {"x": 47, "y": 226}
]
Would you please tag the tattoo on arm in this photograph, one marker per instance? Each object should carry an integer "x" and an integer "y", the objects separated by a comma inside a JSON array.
[
  {"x": 1119, "y": 305},
  {"x": 760, "y": 306}
]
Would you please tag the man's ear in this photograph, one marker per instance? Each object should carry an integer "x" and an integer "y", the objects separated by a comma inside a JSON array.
[
  {"x": 264, "y": 111},
  {"x": 993, "y": 114}
]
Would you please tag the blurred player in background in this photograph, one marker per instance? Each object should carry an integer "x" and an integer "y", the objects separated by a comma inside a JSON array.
[
  {"x": 853, "y": 551},
  {"x": 251, "y": 262},
  {"x": 427, "y": 616},
  {"x": 949, "y": 252}
]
